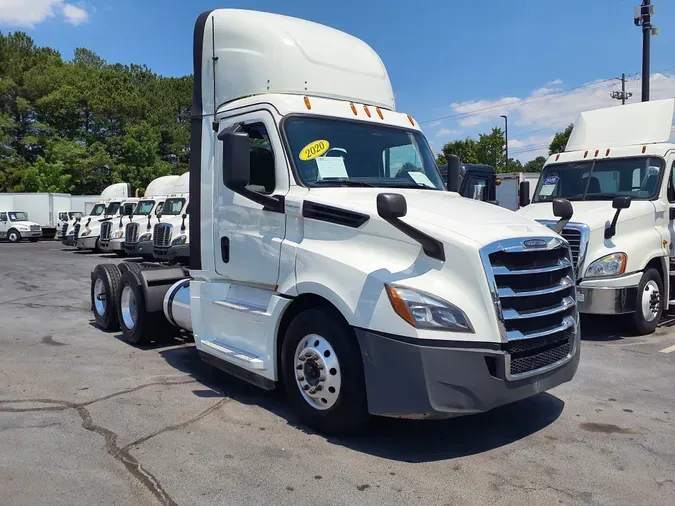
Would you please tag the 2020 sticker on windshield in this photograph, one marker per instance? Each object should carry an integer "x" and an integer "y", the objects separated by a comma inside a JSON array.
[{"x": 314, "y": 149}]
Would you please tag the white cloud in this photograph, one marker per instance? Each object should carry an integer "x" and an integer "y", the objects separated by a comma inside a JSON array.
[
  {"x": 444, "y": 132},
  {"x": 555, "y": 82},
  {"x": 74, "y": 15},
  {"x": 29, "y": 13}
]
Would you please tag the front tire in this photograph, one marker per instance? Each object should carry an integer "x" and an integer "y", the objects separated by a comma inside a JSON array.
[
  {"x": 323, "y": 373},
  {"x": 649, "y": 304},
  {"x": 13, "y": 236},
  {"x": 104, "y": 282}
]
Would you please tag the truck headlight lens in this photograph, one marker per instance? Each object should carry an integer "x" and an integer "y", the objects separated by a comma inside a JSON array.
[
  {"x": 145, "y": 237},
  {"x": 609, "y": 265},
  {"x": 87, "y": 232},
  {"x": 22, "y": 229},
  {"x": 179, "y": 240},
  {"x": 424, "y": 311},
  {"x": 117, "y": 234}
]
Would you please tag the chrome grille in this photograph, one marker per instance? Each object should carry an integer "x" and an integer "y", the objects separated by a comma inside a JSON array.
[
  {"x": 76, "y": 230},
  {"x": 131, "y": 233},
  {"x": 64, "y": 229},
  {"x": 161, "y": 235},
  {"x": 106, "y": 230},
  {"x": 35, "y": 228},
  {"x": 573, "y": 237},
  {"x": 577, "y": 234},
  {"x": 535, "y": 299}
]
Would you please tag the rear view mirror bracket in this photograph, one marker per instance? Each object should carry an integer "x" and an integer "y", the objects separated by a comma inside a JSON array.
[{"x": 618, "y": 203}]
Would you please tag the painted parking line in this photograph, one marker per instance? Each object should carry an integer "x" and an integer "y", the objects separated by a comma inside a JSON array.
[{"x": 669, "y": 349}]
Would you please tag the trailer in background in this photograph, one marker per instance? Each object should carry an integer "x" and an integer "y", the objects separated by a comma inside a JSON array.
[
  {"x": 46, "y": 208},
  {"x": 509, "y": 189}
]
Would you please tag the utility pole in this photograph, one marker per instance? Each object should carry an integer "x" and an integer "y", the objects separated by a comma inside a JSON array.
[
  {"x": 506, "y": 139},
  {"x": 621, "y": 95},
  {"x": 642, "y": 16}
]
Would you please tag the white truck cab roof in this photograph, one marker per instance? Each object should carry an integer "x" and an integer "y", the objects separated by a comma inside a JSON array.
[{"x": 161, "y": 186}]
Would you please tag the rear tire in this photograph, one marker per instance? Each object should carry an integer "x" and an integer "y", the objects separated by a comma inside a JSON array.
[
  {"x": 130, "y": 266},
  {"x": 104, "y": 283},
  {"x": 649, "y": 304},
  {"x": 323, "y": 373},
  {"x": 138, "y": 326},
  {"x": 13, "y": 236}
]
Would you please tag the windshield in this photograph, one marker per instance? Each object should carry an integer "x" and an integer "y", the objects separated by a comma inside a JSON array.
[
  {"x": 112, "y": 208},
  {"x": 637, "y": 178},
  {"x": 330, "y": 152},
  {"x": 145, "y": 207},
  {"x": 17, "y": 216},
  {"x": 75, "y": 215},
  {"x": 98, "y": 210},
  {"x": 173, "y": 207}
]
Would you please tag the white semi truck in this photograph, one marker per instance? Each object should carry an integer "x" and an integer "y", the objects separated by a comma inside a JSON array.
[
  {"x": 170, "y": 236},
  {"x": 99, "y": 231},
  {"x": 114, "y": 240},
  {"x": 361, "y": 288},
  {"x": 16, "y": 225},
  {"x": 618, "y": 171}
]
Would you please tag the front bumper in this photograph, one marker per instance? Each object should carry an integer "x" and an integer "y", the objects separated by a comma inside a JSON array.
[
  {"x": 139, "y": 249},
  {"x": 606, "y": 301},
  {"x": 30, "y": 234},
  {"x": 407, "y": 380},
  {"x": 88, "y": 242},
  {"x": 112, "y": 245},
  {"x": 68, "y": 240}
]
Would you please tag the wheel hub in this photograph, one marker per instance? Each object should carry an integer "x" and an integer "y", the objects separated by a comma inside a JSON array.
[
  {"x": 99, "y": 297},
  {"x": 651, "y": 301},
  {"x": 128, "y": 307},
  {"x": 317, "y": 372}
]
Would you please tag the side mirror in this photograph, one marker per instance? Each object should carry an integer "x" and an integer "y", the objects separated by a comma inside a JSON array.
[
  {"x": 453, "y": 173},
  {"x": 185, "y": 215},
  {"x": 391, "y": 206},
  {"x": 618, "y": 203},
  {"x": 562, "y": 208},
  {"x": 621, "y": 202},
  {"x": 524, "y": 194},
  {"x": 236, "y": 159}
]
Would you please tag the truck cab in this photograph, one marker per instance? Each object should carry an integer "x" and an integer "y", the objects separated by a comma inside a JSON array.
[
  {"x": 617, "y": 171},
  {"x": 15, "y": 226},
  {"x": 66, "y": 221},
  {"x": 327, "y": 256},
  {"x": 170, "y": 235},
  {"x": 475, "y": 181}
]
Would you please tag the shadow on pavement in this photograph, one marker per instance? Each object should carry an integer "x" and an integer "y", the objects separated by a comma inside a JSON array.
[
  {"x": 393, "y": 439},
  {"x": 604, "y": 328}
]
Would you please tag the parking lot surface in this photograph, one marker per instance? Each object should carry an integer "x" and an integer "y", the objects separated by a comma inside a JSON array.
[{"x": 87, "y": 419}]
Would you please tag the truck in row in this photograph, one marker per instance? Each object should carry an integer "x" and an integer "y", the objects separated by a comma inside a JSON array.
[{"x": 325, "y": 254}]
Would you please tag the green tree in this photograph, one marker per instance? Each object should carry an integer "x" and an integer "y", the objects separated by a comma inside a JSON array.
[
  {"x": 466, "y": 150},
  {"x": 490, "y": 149},
  {"x": 535, "y": 165},
  {"x": 560, "y": 140}
]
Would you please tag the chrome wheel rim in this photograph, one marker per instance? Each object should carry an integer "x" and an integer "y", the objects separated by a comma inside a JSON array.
[
  {"x": 12, "y": 236},
  {"x": 651, "y": 301},
  {"x": 128, "y": 306},
  {"x": 99, "y": 297},
  {"x": 317, "y": 372}
]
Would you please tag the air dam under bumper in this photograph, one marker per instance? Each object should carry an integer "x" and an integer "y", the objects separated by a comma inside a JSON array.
[
  {"x": 112, "y": 245},
  {"x": 88, "y": 242},
  {"x": 412, "y": 381},
  {"x": 141, "y": 249},
  {"x": 606, "y": 300},
  {"x": 68, "y": 240}
]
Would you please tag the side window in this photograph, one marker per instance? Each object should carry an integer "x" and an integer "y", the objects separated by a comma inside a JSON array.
[
  {"x": 477, "y": 188},
  {"x": 671, "y": 184},
  {"x": 3, "y": 216},
  {"x": 262, "y": 158}
]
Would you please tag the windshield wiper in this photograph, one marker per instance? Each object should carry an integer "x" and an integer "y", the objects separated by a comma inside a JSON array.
[
  {"x": 406, "y": 184},
  {"x": 343, "y": 182}
]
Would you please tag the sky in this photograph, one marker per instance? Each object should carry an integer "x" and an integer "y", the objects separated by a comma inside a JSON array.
[{"x": 456, "y": 66}]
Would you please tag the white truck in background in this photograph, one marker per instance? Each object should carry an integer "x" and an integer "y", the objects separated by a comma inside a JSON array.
[
  {"x": 170, "y": 236},
  {"x": 360, "y": 288},
  {"x": 148, "y": 207},
  {"x": 16, "y": 225},
  {"x": 618, "y": 171},
  {"x": 512, "y": 193}
]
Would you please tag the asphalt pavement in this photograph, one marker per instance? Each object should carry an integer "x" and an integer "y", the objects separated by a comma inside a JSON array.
[{"x": 85, "y": 419}]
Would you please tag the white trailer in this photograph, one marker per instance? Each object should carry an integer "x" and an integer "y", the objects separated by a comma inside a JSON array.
[
  {"x": 318, "y": 264},
  {"x": 509, "y": 189}
]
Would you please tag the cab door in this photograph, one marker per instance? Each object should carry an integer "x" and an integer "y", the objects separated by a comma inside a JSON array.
[{"x": 3, "y": 225}]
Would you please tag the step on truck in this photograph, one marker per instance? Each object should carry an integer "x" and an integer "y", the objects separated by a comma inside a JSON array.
[
  {"x": 618, "y": 172},
  {"x": 139, "y": 222},
  {"x": 320, "y": 262}
]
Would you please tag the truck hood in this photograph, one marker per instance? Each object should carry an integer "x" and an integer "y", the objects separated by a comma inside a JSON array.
[
  {"x": 25, "y": 223},
  {"x": 438, "y": 213},
  {"x": 594, "y": 213}
]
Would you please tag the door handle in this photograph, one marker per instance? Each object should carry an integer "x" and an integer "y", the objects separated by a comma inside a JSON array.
[{"x": 225, "y": 249}]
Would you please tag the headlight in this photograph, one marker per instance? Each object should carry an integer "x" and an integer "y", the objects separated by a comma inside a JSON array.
[
  {"x": 87, "y": 232},
  {"x": 424, "y": 311},
  {"x": 145, "y": 237},
  {"x": 22, "y": 229},
  {"x": 609, "y": 265},
  {"x": 117, "y": 234},
  {"x": 179, "y": 240}
]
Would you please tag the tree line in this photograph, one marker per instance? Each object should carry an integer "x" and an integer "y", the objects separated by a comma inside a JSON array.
[
  {"x": 489, "y": 149},
  {"x": 79, "y": 125}
]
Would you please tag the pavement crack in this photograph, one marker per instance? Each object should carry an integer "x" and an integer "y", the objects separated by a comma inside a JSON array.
[
  {"x": 582, "y": 496},
  {"x": 181, "y": 425},
  {"x": 135, "y": 389}
]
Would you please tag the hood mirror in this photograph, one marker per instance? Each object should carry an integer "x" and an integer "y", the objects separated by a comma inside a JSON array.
[
  {"x": 453, "y": 173},
  {"x": 618, "y": 203},
  {"x": 562, "y": 208},
  {"x": 391, "y": 206}
]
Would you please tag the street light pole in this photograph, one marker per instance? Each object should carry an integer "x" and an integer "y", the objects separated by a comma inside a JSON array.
[
  {"x": 643, "y": 18},
  {"x": 506, "y": 139}
]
